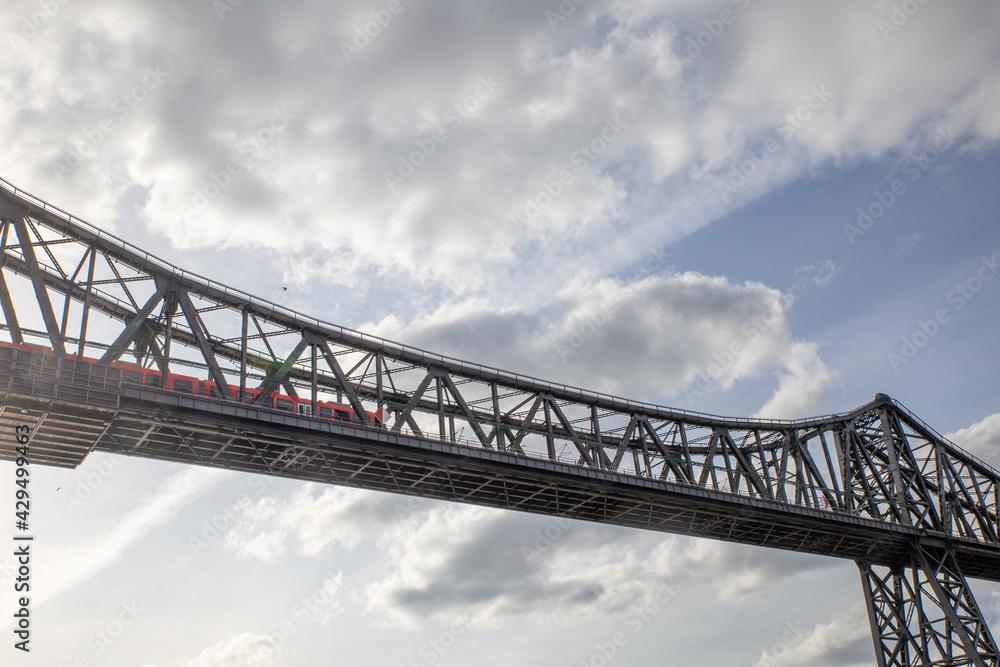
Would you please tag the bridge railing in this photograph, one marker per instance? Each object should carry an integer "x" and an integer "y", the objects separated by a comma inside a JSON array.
[
  {"x": 568, "y": 458},
  {"x": 958, "y": 449}
]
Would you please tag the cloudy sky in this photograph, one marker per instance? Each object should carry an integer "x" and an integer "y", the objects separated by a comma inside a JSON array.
[{"x": 609, "y": 194}]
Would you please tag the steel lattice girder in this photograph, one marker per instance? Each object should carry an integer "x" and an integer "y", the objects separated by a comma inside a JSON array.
[{"x": 878, "y": 462}]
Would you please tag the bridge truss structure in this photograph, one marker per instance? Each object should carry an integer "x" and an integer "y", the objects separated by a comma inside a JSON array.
[{"x": 875, "y": 485}]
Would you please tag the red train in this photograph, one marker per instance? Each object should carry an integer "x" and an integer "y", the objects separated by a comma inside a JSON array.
[{"x": 186, "y": 384}]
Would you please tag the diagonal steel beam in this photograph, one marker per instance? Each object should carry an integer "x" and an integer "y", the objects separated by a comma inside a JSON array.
[
  {"x": 194, "y": 323},
  {"x": 587, "y": 451},
  {"x": 464, "y": 407},
  {"x": 526, "y": 424},
  {"x": 9, "y": 313},
  {"x": 128, "y": 334},
  {"x": 406, "y": 415},
  {"x": 270, "y": 384},
  {"x": 338, "y": 372},
  {"x": 38, "y": 282}
]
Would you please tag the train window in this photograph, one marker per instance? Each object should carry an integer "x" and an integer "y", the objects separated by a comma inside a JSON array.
[
  {"x": 154, "y": 380},
  {"x": 132, "y": 376},
  {"x": 183, "y": 385},
  {"x": 213, "y": 391},
  {"x": 284, "y": 405},
  {"x": 305, "y": 409},
  {"x": 325, "y": 413},
  {"x": 342, "y": 415}
]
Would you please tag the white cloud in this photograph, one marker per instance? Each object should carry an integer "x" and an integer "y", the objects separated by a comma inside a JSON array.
[
  {"x": 650, "y": 338},
  {"x": 239, "y": 651},
  {"x": 736, "y": 572},
  {"x": 982, "y": 439},
  {"x": 314, "y": 519},
  {"x": 824, "y": 274},
  {"x": 492, "y": 567},
  {"x": 324, "y": 603},
  {"x": 316, "y": 190},
  {"x": 845, "y": 641},
  {"x": 804, "y": 383},
  {"x": 69, "y": 568}
]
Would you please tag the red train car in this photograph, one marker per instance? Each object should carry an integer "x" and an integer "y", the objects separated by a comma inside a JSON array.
[{"x": 186, "y": 384}]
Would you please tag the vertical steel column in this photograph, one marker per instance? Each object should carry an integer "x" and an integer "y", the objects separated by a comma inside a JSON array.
[
  {"x": 171, "y": 305},
  {"x": 496, "y": 416},
  {"x": 595, "y": 428},
  {"x": 550, "y": 443},
  {"x": 67, "y": 298},
  {"x": 243, "y": 356},
  {"x": 440, "y": 407},
  {"x": 10, "y": 315},
  {"x": 379, "y": 364},
  {"x": 315, "y": 382},
  {"x": 899, "y": 488},
  {"x": 86, "y": 303}
]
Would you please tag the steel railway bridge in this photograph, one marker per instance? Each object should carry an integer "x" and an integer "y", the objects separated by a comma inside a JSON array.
[{"x": 876, "y": 485}]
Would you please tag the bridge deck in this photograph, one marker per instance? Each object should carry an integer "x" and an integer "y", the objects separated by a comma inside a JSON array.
[{"x": 77, "y": 407}]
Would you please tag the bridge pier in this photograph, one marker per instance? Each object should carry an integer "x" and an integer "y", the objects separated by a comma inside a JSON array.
[{"x": 922, "y": 613}]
